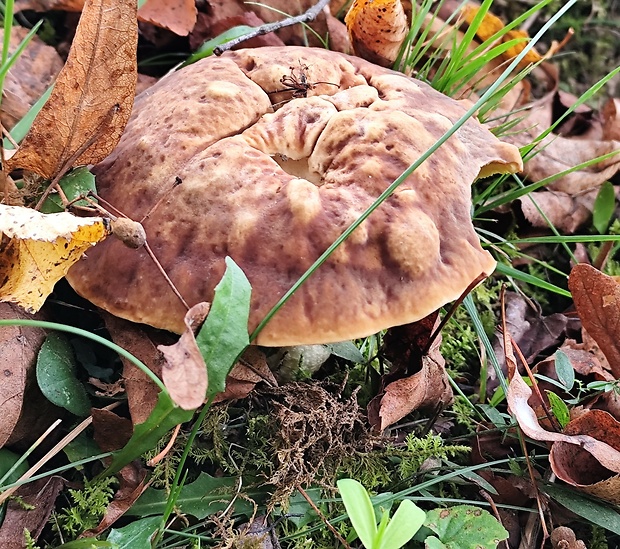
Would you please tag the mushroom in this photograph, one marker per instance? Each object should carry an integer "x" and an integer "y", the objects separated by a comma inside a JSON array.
[{"x": 279, "y": 150}]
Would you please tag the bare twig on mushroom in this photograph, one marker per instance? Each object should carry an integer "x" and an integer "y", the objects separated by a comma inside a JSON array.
[{"x": 309, "y": 15}]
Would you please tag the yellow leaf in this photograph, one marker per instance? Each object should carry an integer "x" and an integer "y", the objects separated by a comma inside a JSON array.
[
  {"x": 377, "y": 29},
  {"x": 492, "y": 24},
  {"x": 36, "y": 250}
]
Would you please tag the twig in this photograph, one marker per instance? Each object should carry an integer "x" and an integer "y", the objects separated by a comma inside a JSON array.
[
  {"x": 322, "y": 516},
  {"x": 309, "y": 15}
]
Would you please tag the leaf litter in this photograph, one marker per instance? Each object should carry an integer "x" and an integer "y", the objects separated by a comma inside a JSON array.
[{"x": 305, "y": 417}]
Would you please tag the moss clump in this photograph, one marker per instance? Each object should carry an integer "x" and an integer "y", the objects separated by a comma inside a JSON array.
[{"x": 86, "y": 509}]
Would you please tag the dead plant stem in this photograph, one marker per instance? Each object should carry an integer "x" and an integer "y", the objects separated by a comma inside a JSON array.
[{"x": 323, "y": 518}]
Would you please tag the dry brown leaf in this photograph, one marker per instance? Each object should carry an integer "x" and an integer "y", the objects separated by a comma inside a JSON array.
[
  {"x": 30, "y": 508},
  {"x": 19, "y": 346},
  {"x": 404, "y": 393},
  {"x": 111, "y": 432},
  {"x": 102, "y": 59},
  {"x": 597, "y": 299},
  {"x": 555, "y": 154},
  {"x": 142, "y": 393},
  {"x": 564, "y": 538},
  {"x": 35, "y": 70},
  {"x": 610, "y": 114},
  {"x": 184, "y": 373},
  {"x": 377, "y": 29},
  {"x": 518, "y": 396},
  {"x": 577, "y": 467},
  {"x": 37, "y": 250},
  {"x": 178, "y": 16},
  {"x": 251, "y": 369},
  {"x": 566, "y": 212},
  {"x": 429, "y": 387}
]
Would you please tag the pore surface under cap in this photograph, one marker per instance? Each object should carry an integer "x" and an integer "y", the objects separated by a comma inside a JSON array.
[{"x": 274, "y": 189}]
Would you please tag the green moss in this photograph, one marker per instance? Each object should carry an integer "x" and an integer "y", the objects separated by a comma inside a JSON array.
[
  {"x": 87, "y": 507},
  {"x": 418, "y": 450}
]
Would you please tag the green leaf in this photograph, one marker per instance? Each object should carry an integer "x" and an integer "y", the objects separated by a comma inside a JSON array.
[
  {"x": 406, "y": 521},
  {"x": 346, "y": 350},
  {"x": 564, "y": 370},
  {"x": 599, "y": 513},
  {"x": 209, "y": 46},
  {"x": 224, "y": 334},
  {"x": 559, "y": 408},
  {"x": 360, "y": 510},
  {"x": 164, "y": 417},
  {"x": 75, "y": 184},
  {"x": 19, "y": 131},
  {"x": 56, "y": 368},
  {"x": 464, "y": 527},
  {"x": 136, "y": 535},
  {"x": 300, "y": 512},
  {"x": 604, "y": 207},
  {"x": 203, "y": 497},
  {"x": 88, "y": 543},
  {"x": 8, "y": 460}
]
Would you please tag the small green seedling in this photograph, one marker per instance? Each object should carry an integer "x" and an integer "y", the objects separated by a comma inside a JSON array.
[{"x": 391, "y": 533}]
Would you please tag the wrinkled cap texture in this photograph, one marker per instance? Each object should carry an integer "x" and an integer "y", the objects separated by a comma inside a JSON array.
[{"x": 273, "y": 189}]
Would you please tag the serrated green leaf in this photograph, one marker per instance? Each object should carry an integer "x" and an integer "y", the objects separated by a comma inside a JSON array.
[
  {"x": 75, "y": 184},
  {"x": 56, "y": 368},
  {"x": 599, "y": 513},
  {"x": 203, "y": 497},
  {"x": 559, "y": 409},
  {"x": 136, "y": 535},
  {"x": 464, "y": 527},
  {"x": 360, "y": 510},
  {"x": 224, "y": 334},
  {"x": 604, "y": 207},
  {"x": 564, "y": 370},
  {"x": 406, "y": 521},
  {"x": 164, "y": 417}
]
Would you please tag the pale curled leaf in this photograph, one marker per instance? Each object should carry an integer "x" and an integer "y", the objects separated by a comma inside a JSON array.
[
  {"x": 39, "y": 251},
  {"x": 597, "y": 299},
  {"x": 577, "y": 467},
  {"x": 184, "y": 372},
  {"x": 518, "y": 395},
  {"x": 93, "y": 94}
]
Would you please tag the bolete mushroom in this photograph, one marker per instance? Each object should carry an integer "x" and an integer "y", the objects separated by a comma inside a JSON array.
[{"x": 273, "y": 189}]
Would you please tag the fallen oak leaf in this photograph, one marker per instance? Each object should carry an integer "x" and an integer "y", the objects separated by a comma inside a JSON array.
[
  {"x": 185, "y": 373},
  {"x": 79, "y": 124},
  {"x": 597, "y": 299},
  {"x": 37, "y": 250}
]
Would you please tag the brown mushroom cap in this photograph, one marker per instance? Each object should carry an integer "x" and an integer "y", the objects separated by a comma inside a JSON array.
[{"x": 273, "y": 190}]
